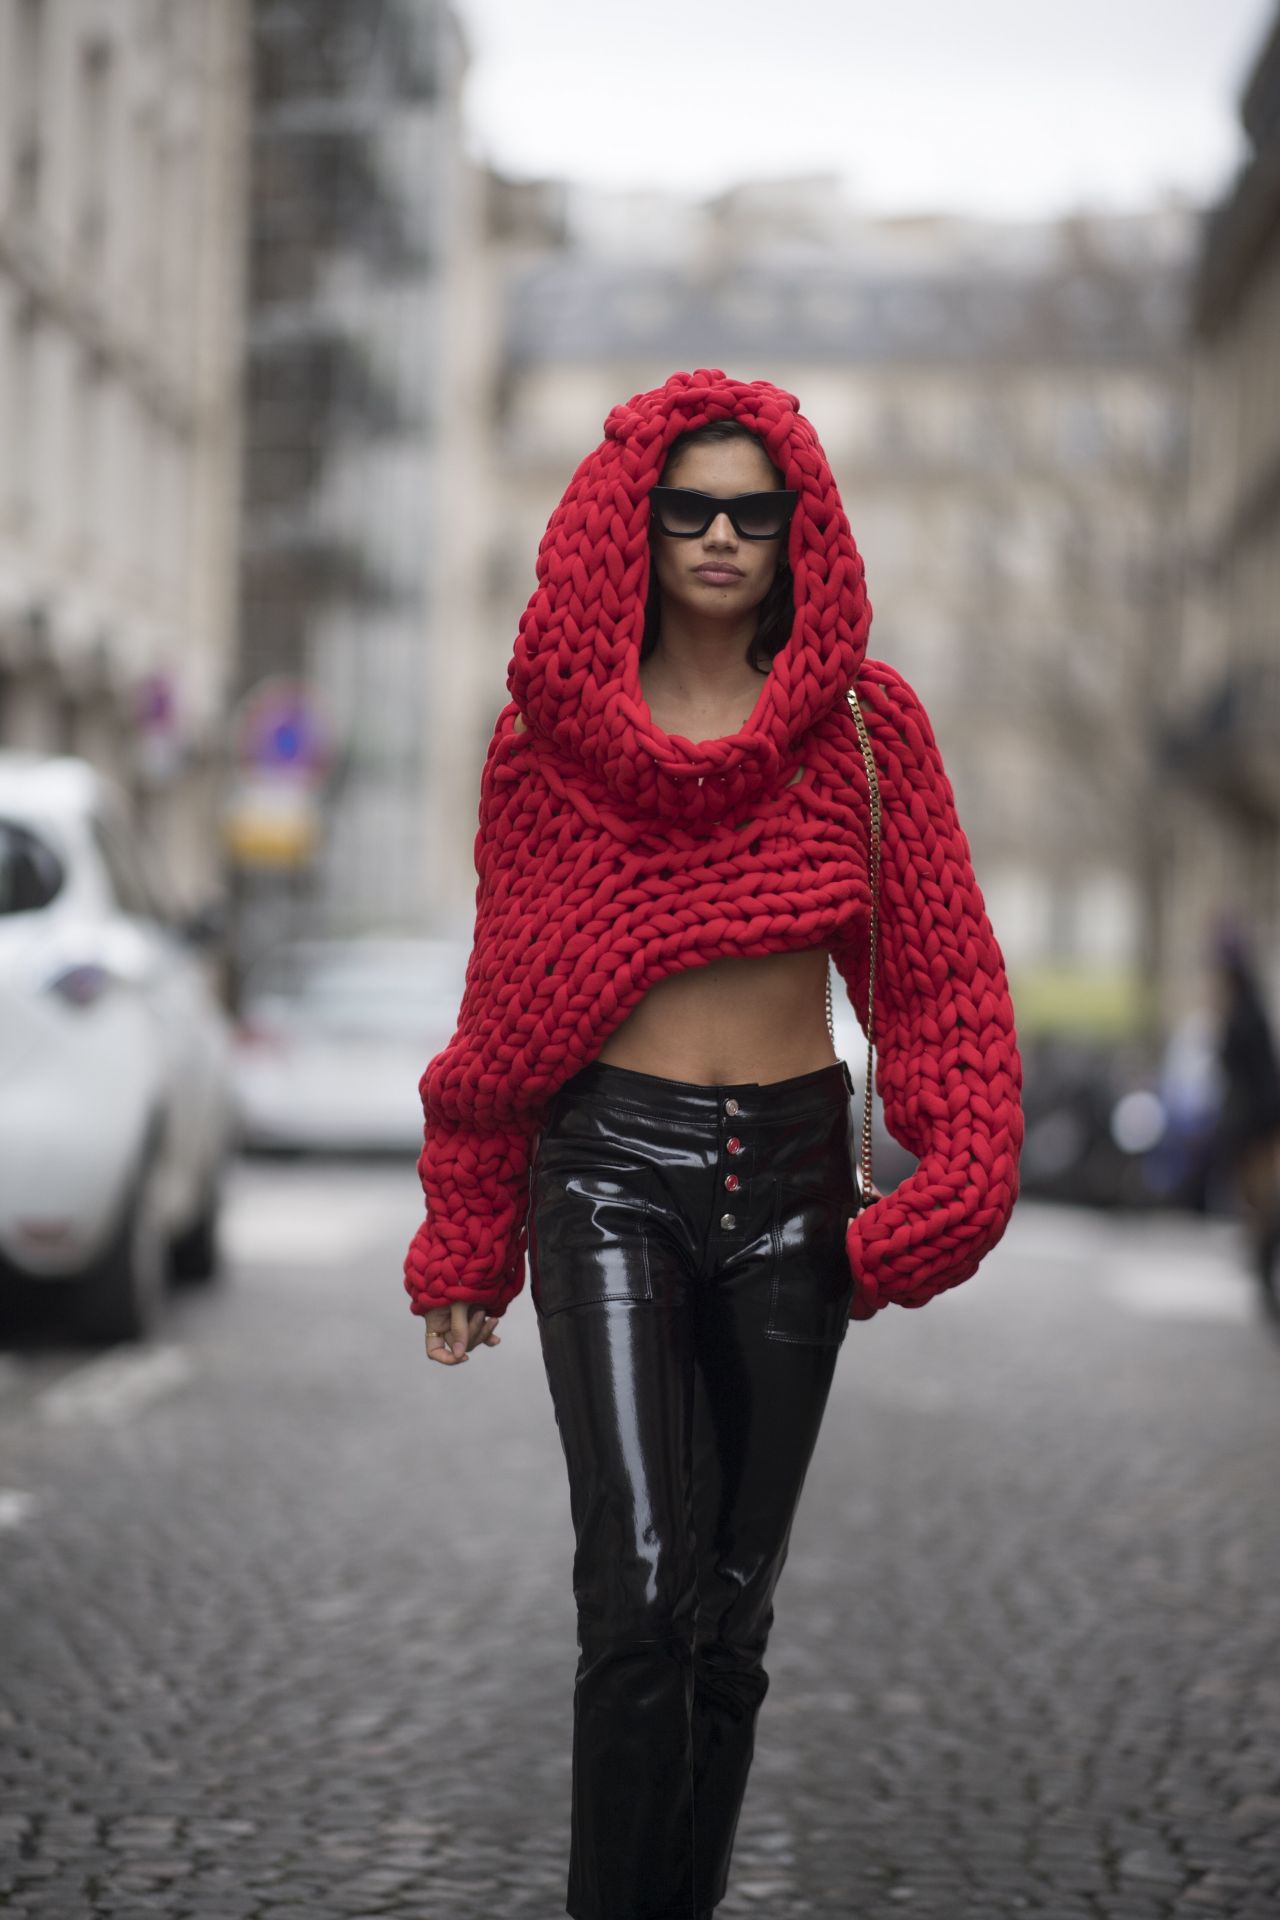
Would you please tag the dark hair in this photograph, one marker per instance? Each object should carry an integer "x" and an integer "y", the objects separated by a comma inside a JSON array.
[{"x": 775, "y": 616}]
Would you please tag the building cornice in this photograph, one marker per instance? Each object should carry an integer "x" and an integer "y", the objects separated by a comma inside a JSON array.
[{"x": 1240, "y": 230}]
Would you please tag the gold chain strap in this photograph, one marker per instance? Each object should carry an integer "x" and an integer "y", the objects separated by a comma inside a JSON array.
[{"x": 873, "y": 788}]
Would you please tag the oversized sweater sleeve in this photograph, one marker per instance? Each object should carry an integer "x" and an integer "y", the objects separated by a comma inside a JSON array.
[
  {"x": 471, "y": 1245},
  {"x": 474, "y": 1166},
  {"x": 948, "y": 1070}
]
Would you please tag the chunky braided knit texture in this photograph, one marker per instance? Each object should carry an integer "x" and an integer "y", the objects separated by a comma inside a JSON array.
[{"x": 610, "y": 854}]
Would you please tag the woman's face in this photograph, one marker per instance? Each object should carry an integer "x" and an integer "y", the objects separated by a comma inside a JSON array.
[{"x": 717, "y": 573}]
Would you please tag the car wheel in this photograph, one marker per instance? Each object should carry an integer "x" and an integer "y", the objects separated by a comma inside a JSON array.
[
  {"x": 195, "y": 1252},
  {"x": 121, "y": 1299}
]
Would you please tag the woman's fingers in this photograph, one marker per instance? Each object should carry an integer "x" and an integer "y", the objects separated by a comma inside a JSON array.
[
  {"x": 477, "y": 1327},
  {"x": 452, "y": 1332},
  {"x": 438, "y": 1339},
  {"x": 439, "y": 1332}
]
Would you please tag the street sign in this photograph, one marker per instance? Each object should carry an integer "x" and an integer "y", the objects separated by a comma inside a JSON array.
[{"x": 283, "y": 726}]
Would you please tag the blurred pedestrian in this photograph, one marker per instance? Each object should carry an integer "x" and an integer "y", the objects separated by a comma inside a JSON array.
[
  {"x": 1248, "y": 1129},
  {"x": 685, "y": 817}
]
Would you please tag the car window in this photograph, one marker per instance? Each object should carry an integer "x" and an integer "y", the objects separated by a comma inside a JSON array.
[
  {"x": 124, "y": 871},
  {"x": 31, "y": 874}
]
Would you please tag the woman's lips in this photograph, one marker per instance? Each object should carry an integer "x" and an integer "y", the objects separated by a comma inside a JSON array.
[{"x": 719, "y": 576}]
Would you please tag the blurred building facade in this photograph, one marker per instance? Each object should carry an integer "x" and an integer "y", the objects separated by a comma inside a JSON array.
[
  {"x": 1004, "y": 407},
  {"x": 368, "y": 387},
  {"x": 122, "y": 140},
  {"x": 1223, "y": 748}
]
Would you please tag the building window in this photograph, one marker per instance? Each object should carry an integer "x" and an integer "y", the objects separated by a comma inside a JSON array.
[
  {"x": 893, "y": 431},
  {"x": 1082, "y": 430},
  {"x": 26, "y": 107},
  {"x": 125, "y": 873},
  {"x": 22, "y": 415},
  {"x": 94, "y": 153},
  {"x": 84, "y": 454},
  {"x": 992, "y": 433}
]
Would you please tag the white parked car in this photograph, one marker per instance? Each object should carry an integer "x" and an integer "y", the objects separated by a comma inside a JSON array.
[
  {"x": 116, "y": 1109},
  {"x": 333, "y": 1037}
]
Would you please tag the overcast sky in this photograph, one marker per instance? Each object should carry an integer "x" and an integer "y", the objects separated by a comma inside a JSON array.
[{"x": 1003, "y": 107}]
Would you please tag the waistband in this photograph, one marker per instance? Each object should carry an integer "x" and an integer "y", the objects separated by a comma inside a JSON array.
[{"x": 758, "y": 1102}]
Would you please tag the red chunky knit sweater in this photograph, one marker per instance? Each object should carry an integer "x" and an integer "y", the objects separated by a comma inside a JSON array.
[{"x": 610, "y": 854}]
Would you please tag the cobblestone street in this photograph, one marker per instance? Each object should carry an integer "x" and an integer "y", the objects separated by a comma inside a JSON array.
[{"x": 289, "y": 1631}]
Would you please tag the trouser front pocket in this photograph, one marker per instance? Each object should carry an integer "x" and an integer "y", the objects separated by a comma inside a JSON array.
[
  {"x": 588, "y": 1239},
  {"x": 812, "y": 1281}
]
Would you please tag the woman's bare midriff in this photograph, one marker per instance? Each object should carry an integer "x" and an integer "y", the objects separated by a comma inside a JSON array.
[{"x": 734, "y": 1020}]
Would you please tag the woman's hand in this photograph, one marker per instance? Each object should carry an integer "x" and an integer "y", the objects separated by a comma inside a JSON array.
[{"x": 452, "y": 1331}]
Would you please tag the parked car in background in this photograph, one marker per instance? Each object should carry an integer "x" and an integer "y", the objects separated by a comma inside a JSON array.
[
  {"x": 1112, "y": 1123},
  {"x": 1070, "y": 1089},
  {"x": 116, "y": 1116},
  {"x": 333, "y": 1037},
  {"x": 1180, "y": 1163}
]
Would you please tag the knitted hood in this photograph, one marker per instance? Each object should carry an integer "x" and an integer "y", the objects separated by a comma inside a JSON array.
[{"x": 575, "y": 671}]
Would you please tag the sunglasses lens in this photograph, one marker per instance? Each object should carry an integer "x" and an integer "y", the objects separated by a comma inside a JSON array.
[
  {"x": 762, "y": 516},
  {"x": 683, "y": 513}
]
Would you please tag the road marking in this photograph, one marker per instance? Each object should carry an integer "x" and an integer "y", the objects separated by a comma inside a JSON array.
[
  {"x": 114, "y": 1387},
  {"x": 16, "y": 1506},
  {"x": 1156, "y": 1292}
]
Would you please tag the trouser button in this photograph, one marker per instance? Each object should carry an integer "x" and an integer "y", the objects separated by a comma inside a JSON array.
[{"x": 728, "y": 1219}]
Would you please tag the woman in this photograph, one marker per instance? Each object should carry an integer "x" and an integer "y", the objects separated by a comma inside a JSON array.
[
  {"x": 1247, "y": 1133},
  {"x": 643, "y": 1093}
]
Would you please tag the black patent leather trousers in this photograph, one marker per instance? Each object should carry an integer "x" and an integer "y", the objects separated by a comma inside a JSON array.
[{"x": 692, "y": 1288}]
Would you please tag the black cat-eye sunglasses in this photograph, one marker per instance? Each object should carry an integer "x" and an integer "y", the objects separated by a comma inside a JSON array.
[{"x": 684, "y": 513}]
